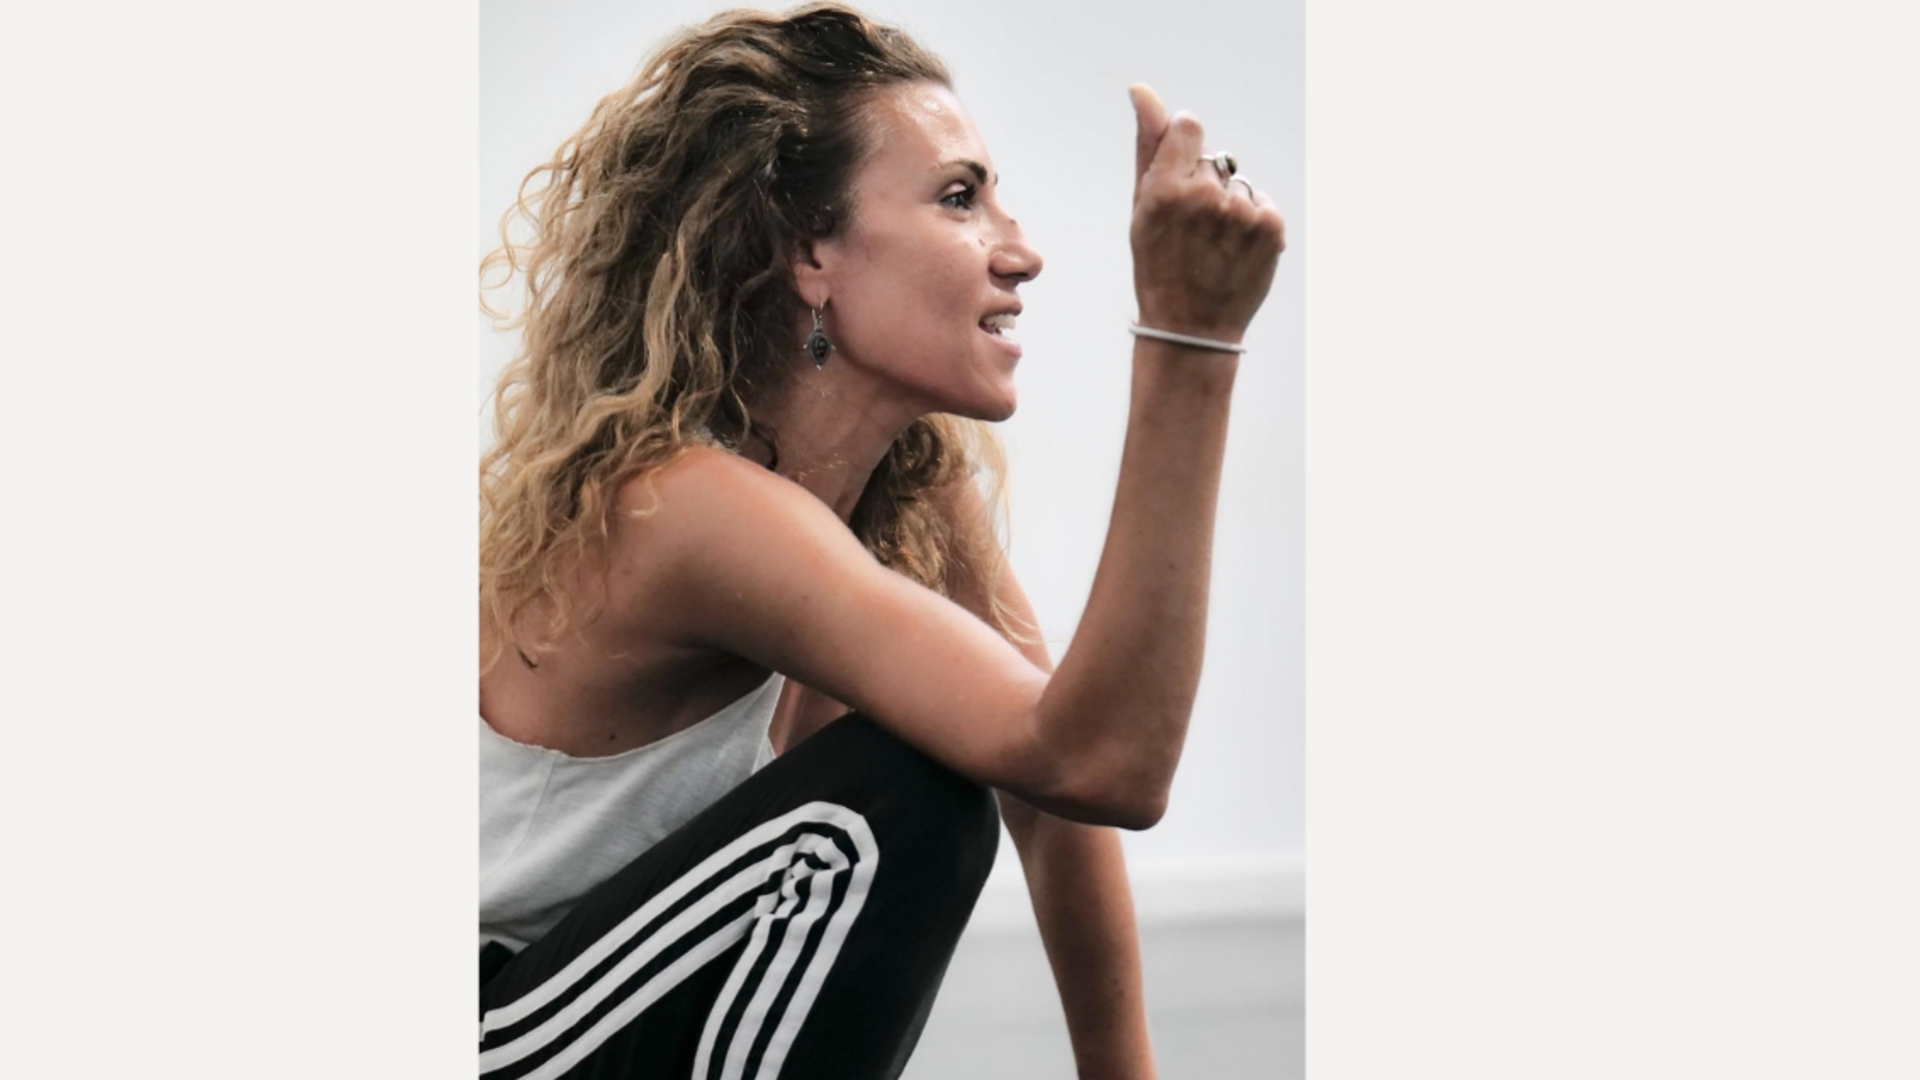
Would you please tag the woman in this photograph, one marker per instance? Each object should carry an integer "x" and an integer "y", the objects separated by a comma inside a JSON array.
[{"x": 732, "y": 513}]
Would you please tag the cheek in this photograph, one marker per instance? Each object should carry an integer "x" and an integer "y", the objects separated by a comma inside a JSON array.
[
  {"x": 934, "y": 292},
  {"x": 918, "y": 287}
]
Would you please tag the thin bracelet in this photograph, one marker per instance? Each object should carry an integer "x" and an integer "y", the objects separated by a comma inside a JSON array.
[{"x": 1183, "y": 339}]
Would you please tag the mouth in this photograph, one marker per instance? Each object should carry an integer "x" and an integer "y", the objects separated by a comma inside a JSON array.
[{"x": 999, "y": 327}]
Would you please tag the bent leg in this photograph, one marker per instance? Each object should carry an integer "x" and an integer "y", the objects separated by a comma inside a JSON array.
[{"x": 797, "y": 928}]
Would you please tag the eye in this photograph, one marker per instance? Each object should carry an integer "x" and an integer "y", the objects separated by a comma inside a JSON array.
[{"x": 965, "y": 194}]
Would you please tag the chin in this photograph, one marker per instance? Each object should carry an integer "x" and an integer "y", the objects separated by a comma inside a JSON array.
[
  {"x": 990, "y": 396},
  {"x": 991, "y": 411}
]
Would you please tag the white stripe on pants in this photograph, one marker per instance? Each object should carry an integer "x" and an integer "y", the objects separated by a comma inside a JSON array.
[{"x": 785, "y": 906}]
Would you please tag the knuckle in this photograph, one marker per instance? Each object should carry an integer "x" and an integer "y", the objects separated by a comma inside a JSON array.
[{"x": 1185, "y": 197}]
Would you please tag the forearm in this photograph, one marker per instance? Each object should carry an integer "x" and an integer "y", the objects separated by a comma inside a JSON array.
[
  {"x": 1124, "y": 688},
  {"x": 1077, "y": 878}
]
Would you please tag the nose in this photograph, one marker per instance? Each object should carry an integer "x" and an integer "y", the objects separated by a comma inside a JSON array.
[{"x": 1015, "y": 257}]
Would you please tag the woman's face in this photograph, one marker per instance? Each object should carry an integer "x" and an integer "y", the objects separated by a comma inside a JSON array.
[{"x": 928, "y": 254}]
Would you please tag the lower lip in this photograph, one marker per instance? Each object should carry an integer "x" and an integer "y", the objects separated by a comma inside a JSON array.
[{"x": 1012, "y": 347}]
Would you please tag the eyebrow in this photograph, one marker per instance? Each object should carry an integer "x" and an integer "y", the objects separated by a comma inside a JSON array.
[{"x": 979, "y": 171}]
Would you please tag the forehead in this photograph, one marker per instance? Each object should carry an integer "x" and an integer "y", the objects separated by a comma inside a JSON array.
[{"x": 916, "y": 128}]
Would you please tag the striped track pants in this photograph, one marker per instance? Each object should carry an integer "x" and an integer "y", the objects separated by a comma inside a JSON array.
[{"x": 798, "y": 928}]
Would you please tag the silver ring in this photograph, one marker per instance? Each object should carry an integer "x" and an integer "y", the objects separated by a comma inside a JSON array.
[
  {"x": 1242, "y": 180},
  {"x": 1223, "y": 164}
]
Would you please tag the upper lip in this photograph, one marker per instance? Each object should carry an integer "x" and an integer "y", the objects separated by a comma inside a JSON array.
[{"x": 1014, "y": 310}]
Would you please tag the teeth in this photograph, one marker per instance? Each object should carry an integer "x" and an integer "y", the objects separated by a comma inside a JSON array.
[{"x": 1001, "y": 324}]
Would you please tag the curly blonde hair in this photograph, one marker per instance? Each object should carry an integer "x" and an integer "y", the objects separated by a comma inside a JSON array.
[{"x": 660, "y": 305}]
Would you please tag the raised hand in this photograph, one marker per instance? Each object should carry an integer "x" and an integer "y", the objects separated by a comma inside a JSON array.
[{"x": 1203, "y": 252}]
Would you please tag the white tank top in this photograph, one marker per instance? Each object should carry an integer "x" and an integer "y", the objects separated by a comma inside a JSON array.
[{"x": 553, "y": 826}]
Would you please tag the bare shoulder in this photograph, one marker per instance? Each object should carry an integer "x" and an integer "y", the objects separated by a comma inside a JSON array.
[
  {"x": 708, "y": 501},
  {"x": 700, "y": 478},
  {"x": 743, "y": 563},
  {"x": 712, "y": 535}
]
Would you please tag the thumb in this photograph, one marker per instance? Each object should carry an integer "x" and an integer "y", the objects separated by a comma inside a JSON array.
[{"x": 1152, "y": 118}]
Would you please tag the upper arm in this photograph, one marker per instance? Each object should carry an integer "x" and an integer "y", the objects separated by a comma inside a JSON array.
[
  {"x": 985, "y": 578},
  {"x": 755, "y": 566}
]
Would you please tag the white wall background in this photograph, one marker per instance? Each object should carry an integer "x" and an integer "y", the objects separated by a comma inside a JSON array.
[{"x": 1047, "y": 85}]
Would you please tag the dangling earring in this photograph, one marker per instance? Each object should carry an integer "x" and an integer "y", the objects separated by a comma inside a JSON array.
[{"x": 817, "y": 345}]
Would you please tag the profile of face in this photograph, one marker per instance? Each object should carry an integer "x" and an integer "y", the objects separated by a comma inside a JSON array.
[{"x": 928, "y": 256}]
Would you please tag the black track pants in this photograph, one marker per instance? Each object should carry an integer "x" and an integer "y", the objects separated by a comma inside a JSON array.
[{"x": 798, "y": 928}]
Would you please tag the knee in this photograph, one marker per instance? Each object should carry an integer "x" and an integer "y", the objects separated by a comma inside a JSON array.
[{"x": 938, "y": 814}]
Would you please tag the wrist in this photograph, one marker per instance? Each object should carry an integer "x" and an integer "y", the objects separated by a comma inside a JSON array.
[
  {"x": 1191, "y": 341},
  {"x": 1191, "y": 324},
  {"x": 1165, "y": 367}
]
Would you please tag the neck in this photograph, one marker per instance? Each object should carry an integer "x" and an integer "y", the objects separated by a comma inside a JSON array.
[{"x": 833, "y": 426}]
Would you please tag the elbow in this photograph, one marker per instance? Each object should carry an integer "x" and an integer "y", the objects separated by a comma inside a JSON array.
[
  {"x": 1120, "y": 801},
  {"x": 1140, "y": 812},
  {"x": 1117, "y": 783},
  {"x": 1134, "y": 816}
]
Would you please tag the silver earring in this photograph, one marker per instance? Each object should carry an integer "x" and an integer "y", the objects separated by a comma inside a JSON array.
[{"x": 817, "y": 345}]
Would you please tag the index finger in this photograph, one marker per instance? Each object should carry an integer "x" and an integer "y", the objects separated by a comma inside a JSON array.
[{"x": 1180, "y": 150}]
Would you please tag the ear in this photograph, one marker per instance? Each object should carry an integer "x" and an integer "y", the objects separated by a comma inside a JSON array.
[{"x": 813, "y": 272}]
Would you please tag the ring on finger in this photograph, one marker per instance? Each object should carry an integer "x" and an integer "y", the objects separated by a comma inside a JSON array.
[
  {"x": 1223, "y": 163},
  {"x": 1242, "y": 180}
]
